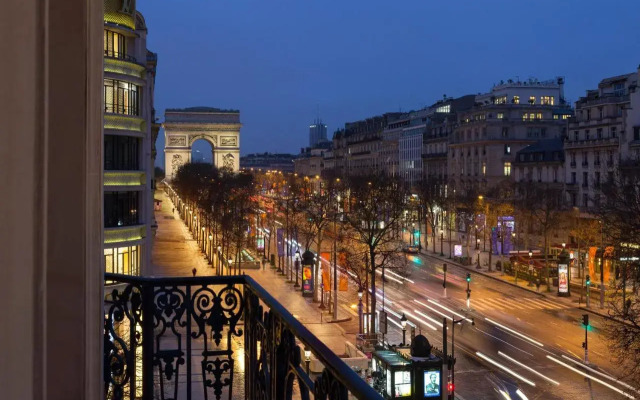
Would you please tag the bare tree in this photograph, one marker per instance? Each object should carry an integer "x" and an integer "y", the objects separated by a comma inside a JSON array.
[
  {"x": 375, "y": 209},
  {"x": 547, "y": 209},
  {"x": 619, "y": 211},
  {"x": 431, "y": 196}
]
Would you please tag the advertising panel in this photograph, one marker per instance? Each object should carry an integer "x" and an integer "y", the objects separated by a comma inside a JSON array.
[
  {"x": 402, "y": 381},
  {"x": 343, "y": 283},
  {"x": 307, "y": 280},
  {"x": 563, "y": 278},
  {"x": 432, "y": 383},
  {"x": 457, "y": 250}
]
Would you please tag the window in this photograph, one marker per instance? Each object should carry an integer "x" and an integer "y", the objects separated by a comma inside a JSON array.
[
  {"x": 546, "y": 100},
  {"x": 120, "y": 209},
  {"x": 501, "y": 100},
  {"x": 121, "y": 153},
  {"x": 596, "y": 180},
  {"x": 600, "y": 112},
  {"x": 574, "y": 199},
  {"x": 566, "y": 116},
  {"x": 500, "y": 116},
  {"x": 121, "y": 97},
  {"x": 576, "y": 135},
  {"x": 122, "y": 260},
  {"x": 114, "y": 45},
  {"x": 573, "y": 178},
  {"x": 539, "y": 116},
  {"x": 588, "y": 114},
  {"x": 613, "y": 131},
  {"x": 525, "y": 116},
  {"x": 618, "y": 89},
  {"x": 505, "y": 132},
  {"x": 636, "y": 133},
  {"x": 585, "y": 200},
  {"x": 599, "y": 133},
  {"x": 484, "y": 168},
  {"x": 586, "y": 134},
  {"x": 585, "y": 179},
  {"x": 507, "y": 169},
  {"x": 555, "y": 116},
  {"x": 532, "y": 99},
  {"x": 507, "y": 149}
]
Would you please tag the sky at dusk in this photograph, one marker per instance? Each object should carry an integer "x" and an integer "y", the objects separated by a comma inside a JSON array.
[{"x": 278, "y": 61}]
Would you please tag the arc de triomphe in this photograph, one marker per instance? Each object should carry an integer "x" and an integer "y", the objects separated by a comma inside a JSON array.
[{"x": 184, "y": 126}]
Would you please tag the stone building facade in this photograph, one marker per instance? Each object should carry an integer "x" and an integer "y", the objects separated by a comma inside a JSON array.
[{"x": 129, "y": 126}]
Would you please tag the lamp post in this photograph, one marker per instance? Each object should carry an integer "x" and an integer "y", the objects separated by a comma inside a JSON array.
[
  {"x": 229, "y": 265},
  {"x": 322, "y": 306},
  {"x": 477, "y": 240},
  {"x": 211, "y": 250},
  {"x": 219, "y": 262},
  {"x": 307, "y": 358},
  {"x": 204, "y": 241},
  {"x": 403, "y": 322},
  {"x": 360, "y": 311},
  {"x": 444, "y": 280},
  {"x": 296, "y": 258},
  {"x": 530, "y": 269},
  {"x": 441, "y": 241}
]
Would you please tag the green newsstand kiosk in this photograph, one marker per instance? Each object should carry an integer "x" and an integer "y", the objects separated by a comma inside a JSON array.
[{"x": 418, "y": 376}]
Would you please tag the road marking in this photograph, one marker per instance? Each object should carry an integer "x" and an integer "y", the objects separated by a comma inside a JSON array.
[
  {"x": 593, "y": 378},
  {"x": 503, "y": 341},
  {"x": 494, "y": 304},
  {"x": 507, "y": 370},
  {"x": 515, "y": 332},
  {"x": 419, "y": 320},
  {"x": 513, "y": 360}
]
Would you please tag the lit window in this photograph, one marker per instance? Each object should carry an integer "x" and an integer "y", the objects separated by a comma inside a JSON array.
[
  {"x": 565, "y": 116},
  {"x": 539, "y": 116},
  {"x": 532, "y": 99},
  {"x": 484, "y": 168},
  {"x": 507, "y": 149},
  {"x": 516, "y": 99},
  {"x": 532, "y": 116},
  {"x": 555, "y": 116},
  {"x": 500, "y": 115},
  {"x": 507, "y": 169},
  {"x": 501, "y": 100},
  {"x": 525, "y": 116},
  {"x": 546, "y": 100}
]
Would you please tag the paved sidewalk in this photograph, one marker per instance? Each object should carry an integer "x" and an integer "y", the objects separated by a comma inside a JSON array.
[{"x": 176, "y": 253}]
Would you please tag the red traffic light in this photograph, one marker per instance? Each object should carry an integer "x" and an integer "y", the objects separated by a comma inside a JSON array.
[{"x": 450, "y": 387}]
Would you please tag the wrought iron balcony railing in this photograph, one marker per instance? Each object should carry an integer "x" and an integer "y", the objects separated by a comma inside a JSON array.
[{"x": 195, "y": 338}]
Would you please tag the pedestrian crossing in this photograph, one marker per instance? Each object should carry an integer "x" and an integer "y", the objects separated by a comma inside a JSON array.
[{"x": 521, "y": 304}]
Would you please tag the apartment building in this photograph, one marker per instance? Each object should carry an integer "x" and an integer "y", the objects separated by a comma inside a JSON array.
[
  {"x": 513, "y": 115},
  {"x": 604, "y": 132},
  {"x": 442, "y": 122},
  {"x": 129, "y": 127}
]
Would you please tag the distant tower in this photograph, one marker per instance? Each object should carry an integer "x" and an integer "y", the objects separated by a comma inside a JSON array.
[{"x": 317, "y": 132}]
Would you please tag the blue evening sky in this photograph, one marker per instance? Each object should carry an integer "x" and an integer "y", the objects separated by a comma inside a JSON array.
[{"x": 277, "y": 61}]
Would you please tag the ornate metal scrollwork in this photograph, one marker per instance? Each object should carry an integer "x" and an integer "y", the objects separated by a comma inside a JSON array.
[
  {"x": 328, "y": 387},
  {"x": 121, "y": 338}
]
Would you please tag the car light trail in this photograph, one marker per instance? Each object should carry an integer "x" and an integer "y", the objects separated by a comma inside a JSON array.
[
  {"x": 435, "y": 321},
  {"x": 515, "y": 332},
  {"x": 600, "y": 373},
  {"x": 513, "y": 360},
  {"x": 386, "y": 300},
  {"x": 399, "y": 276},
  {"x": 435, "y": 303},
  {"x": 420, "y": 320},
  {"x": 507, "y": 370},
  {"x": 397, "y": 315},
  {"x": 439, "y": 312},
  {"x": 522, "y": 396},
  {"x": 394, "y": 322},
  {"x": 388, "y": 277},
  {"x": 505, "y": 394},
  {"x": 593, "y": 378}
]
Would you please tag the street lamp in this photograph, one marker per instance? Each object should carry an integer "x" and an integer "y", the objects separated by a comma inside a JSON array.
[
  {"x": 360, "y": 310},
  {"x": 219, "y": 254},
  {"x": 530, "y": 269},
  {"x": 211, "y": 250},
  {"x": 296, "y": 258},
  {"x": 403, "y": 322},
  {"x": 441, "y": 241},
  {"x": 307, "y": 357},
  {"x": 229, "y": 265},
  {"x": 203, "y": 240}
]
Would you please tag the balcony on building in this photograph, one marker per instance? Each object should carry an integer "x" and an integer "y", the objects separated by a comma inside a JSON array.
[{"x": 214, "y": 337}]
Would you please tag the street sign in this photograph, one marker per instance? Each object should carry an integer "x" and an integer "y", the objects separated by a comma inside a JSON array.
[{"x": 563, "y": 281}]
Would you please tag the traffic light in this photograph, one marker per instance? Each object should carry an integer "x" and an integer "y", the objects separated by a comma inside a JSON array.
[
  {"x": 585, "y": 320},
  {"x": 588, "y": 279},
  {"x": 450, "y": 387},
  {"x": 468, "y": 277}
]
